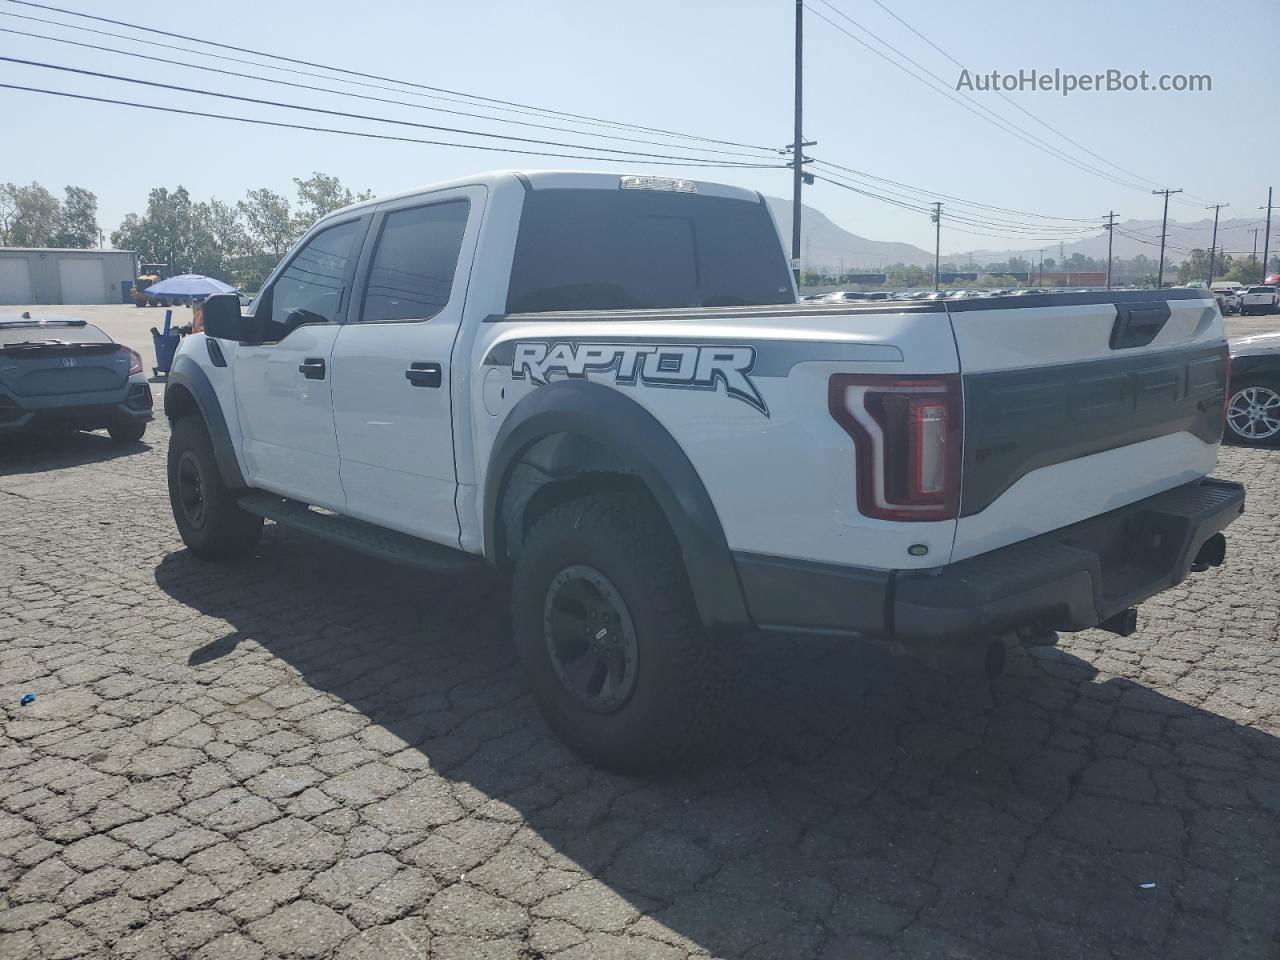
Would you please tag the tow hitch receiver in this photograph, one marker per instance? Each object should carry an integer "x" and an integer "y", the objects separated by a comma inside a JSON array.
[{"x": 1124, "y": 623}]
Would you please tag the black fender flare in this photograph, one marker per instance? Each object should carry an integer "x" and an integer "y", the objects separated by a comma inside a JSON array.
[
  {"x": 186, "y": 376},
  {"x": 642, "y": 446}
]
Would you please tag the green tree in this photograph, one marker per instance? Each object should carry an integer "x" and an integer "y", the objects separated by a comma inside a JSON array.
[
  {"x": 170, "y": 232},
  {"x": 319, "y": 195},
  {"x": 270, "y": 224},
  {"x": 1195, "y": 267},
  {"x": 1246, "y": 270},
  {"x": 30, "y": 216},
  {"x": 79, "y": 219}
]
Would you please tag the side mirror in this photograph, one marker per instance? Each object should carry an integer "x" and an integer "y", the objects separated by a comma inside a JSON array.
[{"x": 223, "y": 320}]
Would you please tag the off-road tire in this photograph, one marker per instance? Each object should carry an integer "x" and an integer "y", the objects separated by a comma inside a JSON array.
[
  {"x": 220, "y": 530},
  {"x": 682, "y": 674},
  {"x": 127, "y": 432}
]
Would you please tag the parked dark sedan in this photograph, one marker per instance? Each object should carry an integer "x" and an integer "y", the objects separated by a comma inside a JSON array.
[
  {"x": 1253, "y": 409},
  {"x": 66, "y": 374}
]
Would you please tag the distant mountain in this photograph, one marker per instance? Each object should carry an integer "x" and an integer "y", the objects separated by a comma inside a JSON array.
[
  {"x": 1132, "y": 238},
  {"x": 825, "y": 245}
]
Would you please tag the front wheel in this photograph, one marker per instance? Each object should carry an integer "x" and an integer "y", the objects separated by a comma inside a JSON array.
[
  {"x": 208, "y": 517},
  {"x": 606, "y": 625},
  {"x": 1253, "y": 412}
]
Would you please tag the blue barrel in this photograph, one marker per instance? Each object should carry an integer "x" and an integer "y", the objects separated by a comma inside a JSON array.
[{"x": 166, "y": 346}]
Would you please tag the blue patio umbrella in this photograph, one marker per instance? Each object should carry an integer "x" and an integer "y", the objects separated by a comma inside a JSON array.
[{"x": 189, "y": 285}]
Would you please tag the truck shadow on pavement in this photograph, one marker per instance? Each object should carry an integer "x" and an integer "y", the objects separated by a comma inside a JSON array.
[
  {"x": 860, "y": 808},
  {"x": 31, "y": 453}
]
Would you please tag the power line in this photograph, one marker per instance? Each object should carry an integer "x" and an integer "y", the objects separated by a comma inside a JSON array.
[
  {"x": 361, "y": 96},
  {"x": 959, "y": 200},
  {"x": 1009, "y": 228},
  {"x": 369, "y": 76},
  {"x": 690, "y": 162},
  {"x": 925, "y": 210},
  {"x": 1013, "y": 103},
  {"x": 988, "y": 220},
  {"x": 257, "y": 101},
  {"x": 988, "y": 115}
]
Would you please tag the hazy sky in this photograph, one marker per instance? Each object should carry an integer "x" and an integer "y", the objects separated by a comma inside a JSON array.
[{"x": 718, "y": 69}]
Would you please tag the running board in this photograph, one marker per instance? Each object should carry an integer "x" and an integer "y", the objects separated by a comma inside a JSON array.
[{"x": 358, "y": 535}]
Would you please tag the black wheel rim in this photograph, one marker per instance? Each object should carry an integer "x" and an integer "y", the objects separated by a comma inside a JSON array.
[
  {"x": 191, "y": 489},
  {"x": 590, "y": 639}
]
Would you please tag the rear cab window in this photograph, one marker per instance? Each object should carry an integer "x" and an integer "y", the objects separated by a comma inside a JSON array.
[{"x": 600, "y": 249}]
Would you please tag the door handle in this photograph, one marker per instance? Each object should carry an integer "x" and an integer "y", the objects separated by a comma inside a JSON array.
[
  {"x": 312, "y": 368},
  {"x": 424, "y": 374}
]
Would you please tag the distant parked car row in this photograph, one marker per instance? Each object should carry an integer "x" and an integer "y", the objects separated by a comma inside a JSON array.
[{"x": 1244, "y": 300}]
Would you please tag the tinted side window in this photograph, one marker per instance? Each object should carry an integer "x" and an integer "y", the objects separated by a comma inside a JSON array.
[
  {"x": 411, "y": 275},
  {"x": 618, "y": 249},
  {"x": 310, "y": 289}
]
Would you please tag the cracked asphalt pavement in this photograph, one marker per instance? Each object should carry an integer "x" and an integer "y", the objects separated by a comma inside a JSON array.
[{"x": 317, "y": 755}]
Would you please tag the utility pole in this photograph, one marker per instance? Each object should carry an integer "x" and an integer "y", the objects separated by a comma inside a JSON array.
[
  {"x": 937, "y": 246},
  {"x": 1110, "y": 227},
  {"x": 1266, "y": 239},
  {"x": 1164, "y": 228},
  {"x": 1213, "y": 247},
  {"x": 1040, "y": 276},
  {"x": 797, "y": 145},
  {"x": 1253, "y": 257}
]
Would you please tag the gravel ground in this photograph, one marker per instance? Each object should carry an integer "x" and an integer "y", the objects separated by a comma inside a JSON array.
[{"x": 314, "y": 754}]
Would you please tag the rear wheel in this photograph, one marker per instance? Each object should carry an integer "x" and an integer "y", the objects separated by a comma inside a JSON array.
[
  {"x": 605, "y": 622},
  {"x": 1253, "y": 412},
  {"x": 127, "y": 432},
  {"x": 208, "y": 517}
]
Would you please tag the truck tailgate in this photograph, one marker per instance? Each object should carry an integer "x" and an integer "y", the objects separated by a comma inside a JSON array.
[{"x": 1077, "y": 404}]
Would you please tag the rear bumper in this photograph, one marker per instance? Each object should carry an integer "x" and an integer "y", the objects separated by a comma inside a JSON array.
[
  {"x": 1069, "y": 579},
  {"x": 132, "y": 405}
]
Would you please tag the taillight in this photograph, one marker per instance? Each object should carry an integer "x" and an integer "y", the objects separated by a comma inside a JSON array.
[
  {"x": 907, "y": 436},
  {"x": 135, "y": 360}
]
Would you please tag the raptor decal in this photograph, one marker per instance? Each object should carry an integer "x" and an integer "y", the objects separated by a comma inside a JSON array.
[{"x": 687, "y": 366}]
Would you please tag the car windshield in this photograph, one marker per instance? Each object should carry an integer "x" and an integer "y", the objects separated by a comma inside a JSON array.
[{"x": 1262, "y": 289}]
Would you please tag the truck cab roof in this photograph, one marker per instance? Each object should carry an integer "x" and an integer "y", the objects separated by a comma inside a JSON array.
[{"x": 561, "y": 180}]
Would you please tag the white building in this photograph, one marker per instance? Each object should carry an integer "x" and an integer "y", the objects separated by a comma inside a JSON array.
[{"x": 34, "y": 275}]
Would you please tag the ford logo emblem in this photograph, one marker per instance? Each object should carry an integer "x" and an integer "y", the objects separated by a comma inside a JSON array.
[{"x": 68, "y": 361}]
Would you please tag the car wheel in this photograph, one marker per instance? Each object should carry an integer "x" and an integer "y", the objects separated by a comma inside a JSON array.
[
  {"x": 1253, "y": 412},
  {"x": 127, "y": 432},
  {"x": 605, "y": 622},
  {"x": 208, "y": 517}
]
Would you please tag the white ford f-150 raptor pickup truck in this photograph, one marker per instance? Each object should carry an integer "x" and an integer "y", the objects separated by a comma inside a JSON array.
[{"x": 604, "y": 388}]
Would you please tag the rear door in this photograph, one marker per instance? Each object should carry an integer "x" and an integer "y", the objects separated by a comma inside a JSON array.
[
  {"x": 283, "y": 386},
  {"x": 1076, "y": 404},
  {"x": 392, "y": 382}
]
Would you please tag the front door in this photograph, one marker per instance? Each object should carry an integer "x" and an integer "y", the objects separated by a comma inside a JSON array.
[
  {"x": 284, "y": 385},
  {"x": 391, "y": 376}
]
